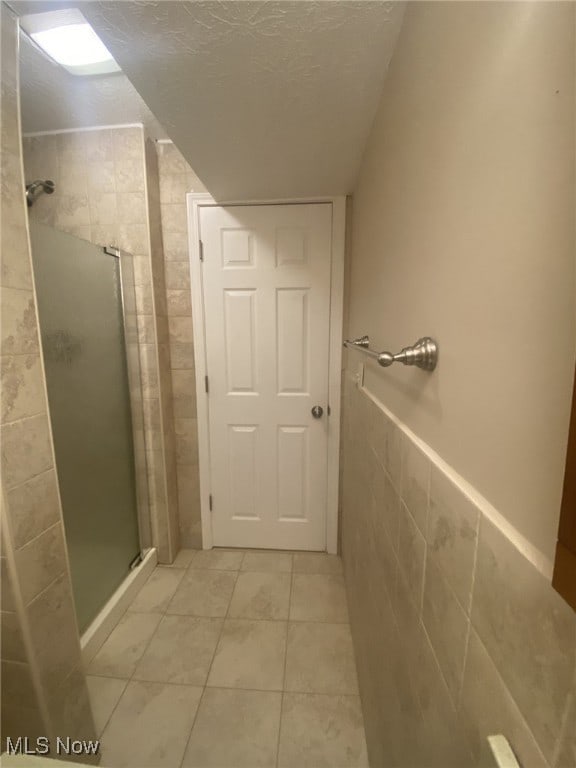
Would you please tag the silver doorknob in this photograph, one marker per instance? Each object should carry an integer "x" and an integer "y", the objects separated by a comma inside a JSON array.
[{"x": 317, "y": 411}]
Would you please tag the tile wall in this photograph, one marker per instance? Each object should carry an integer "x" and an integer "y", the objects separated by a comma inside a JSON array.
[
  {"x": 43, "y": 686},
  {"x": 457, "y": 635},
  {"x": 176, "y": 179},
  {"x": 166, "y": 461},
  {"x": 106, "y": 195},
  {"x": 107, "y": 192}
]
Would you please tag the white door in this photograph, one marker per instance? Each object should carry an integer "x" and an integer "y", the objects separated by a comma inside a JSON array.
[{"x": 266, "y": 282}]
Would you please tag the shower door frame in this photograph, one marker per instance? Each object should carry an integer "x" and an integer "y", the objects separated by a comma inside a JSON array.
[
  {"x": 134, "y": 371},
  {"x": 112, "y": 611}
]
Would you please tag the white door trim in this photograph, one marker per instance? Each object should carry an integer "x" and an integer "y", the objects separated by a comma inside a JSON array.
[{"x": 195, "y": 201}]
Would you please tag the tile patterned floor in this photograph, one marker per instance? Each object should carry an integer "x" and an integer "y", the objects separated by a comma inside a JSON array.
[{"x": 232, "y": 659}]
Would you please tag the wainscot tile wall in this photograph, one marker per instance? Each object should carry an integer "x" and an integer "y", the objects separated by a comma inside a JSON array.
[
  {"x": 107, "y": 192},
  {"x": 176, "y": 179},
  {"x": 43, "y": 687},
  {"x": 457, "y": 635}
]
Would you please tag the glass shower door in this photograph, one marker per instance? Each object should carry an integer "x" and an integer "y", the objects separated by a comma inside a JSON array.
[{"x": 82, "y": 325}]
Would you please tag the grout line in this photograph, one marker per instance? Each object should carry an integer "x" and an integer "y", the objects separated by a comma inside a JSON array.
[
  {"x": 468, "y": 612},
  {"x": 152, "y": 636},
  {"x": 285, "y": 665},
  {"x": 20, "y": 484},
  {"x": 193, "y": 724},
  {"x": 225, "y": 687},
  {"x": 223, "y": 619},
  {"x": 458, "y": 701},
  {"x": 115, "y": 705},
  {"x": 245, "y": 618},
  {"x": 468, "y": 609},
  {"x": 222, "y": 629},
  {"x": 85, "y": 129},
  {"x": 268, "y": 690},
  {"x": 38, "y": 535},
  {"x": 438, "y": 665},
  {"x": 518, "y": 711},
  {"x": 155, "y": 682},
  {"x": 32, "y": 477},
  {"x": 287, "y": 630},
  {"x": 35, "y": 351},
  {"x": 64, "y": 573},
  {"x": 106, "y": 677}
]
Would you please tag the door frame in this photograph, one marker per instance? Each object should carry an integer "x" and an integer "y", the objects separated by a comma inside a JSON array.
[{"x": 195, "y": 202}]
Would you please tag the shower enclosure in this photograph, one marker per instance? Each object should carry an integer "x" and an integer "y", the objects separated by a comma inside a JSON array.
[{"x": 86, "y": 308}]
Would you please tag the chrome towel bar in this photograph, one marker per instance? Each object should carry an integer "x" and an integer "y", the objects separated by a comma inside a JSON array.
[{"x": 423, "y": 354}]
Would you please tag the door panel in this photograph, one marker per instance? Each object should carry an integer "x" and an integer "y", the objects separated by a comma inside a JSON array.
[
  {"x": 266, "y": 284},
  {"x": 242, "y": 468},
  {"x": 293, "y": 460},
  {"x": 239, "y": 336},
  {"x": 292, "y": 340}
]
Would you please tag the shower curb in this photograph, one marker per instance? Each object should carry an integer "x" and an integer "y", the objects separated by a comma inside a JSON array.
[{"x": 94, "y": 637}]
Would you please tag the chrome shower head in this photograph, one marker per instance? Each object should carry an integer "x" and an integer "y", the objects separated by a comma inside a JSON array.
[{"x": 37, "y": 187}]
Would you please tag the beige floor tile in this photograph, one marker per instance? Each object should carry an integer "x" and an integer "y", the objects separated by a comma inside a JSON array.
[
  {"x": 321, "y": 732},
  {"x": 158, "y": 591},
  {"x": 317, "y": 562},
  {"x": 182, "y": 559},
  {"x": 261, "y": 596},
  {"x": 181, "y": 651},
  {"x": 275, "y": 562},
  {"x": 125, "y": 645},
  {"x": 235, "y": 729},
  {"x": 150, "y": 726},
  {"x": 318, "y": 597},
  {"x": 217, "y": 559},
  {"x": 320, "y": 659},
  {"x": 250, "y": 654},
  {"x": 104, "y": 694},
  {"x": 203, "y": 593}
]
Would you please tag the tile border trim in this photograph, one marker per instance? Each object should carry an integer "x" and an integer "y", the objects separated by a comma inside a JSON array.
[{"x": 537, "y": 558}]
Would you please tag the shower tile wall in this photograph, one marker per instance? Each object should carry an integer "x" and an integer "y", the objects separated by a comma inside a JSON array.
[
  {"x": 105, "y": 193},
  {"x": 457, "y": 636},
  {"x": 43, "y": 687},
  {"x": 176, "y": 179}
]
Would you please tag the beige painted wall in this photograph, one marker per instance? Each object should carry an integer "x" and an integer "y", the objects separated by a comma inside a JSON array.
[{"x": 463, "y": 229}]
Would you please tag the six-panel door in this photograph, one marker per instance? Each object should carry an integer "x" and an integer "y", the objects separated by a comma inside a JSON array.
[{"x": 266, "y": 286}]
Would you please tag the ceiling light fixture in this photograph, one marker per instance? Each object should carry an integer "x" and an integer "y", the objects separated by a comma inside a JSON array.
[{"x": 68, "y": 39}]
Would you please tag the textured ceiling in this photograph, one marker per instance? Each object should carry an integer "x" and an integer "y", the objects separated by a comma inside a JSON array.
[
  {"x": 265, "y": 99},
  {"x": 53, "y": 99}
]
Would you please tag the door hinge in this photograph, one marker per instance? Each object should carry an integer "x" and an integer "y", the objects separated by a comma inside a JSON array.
[
  {"x": 206, "y": 385},
  {"x": 201, "y": 247},
  {"x": 210, "y": 502}
]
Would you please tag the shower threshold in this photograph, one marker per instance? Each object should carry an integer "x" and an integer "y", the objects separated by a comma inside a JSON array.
[{"x": 93, "y": 638}]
